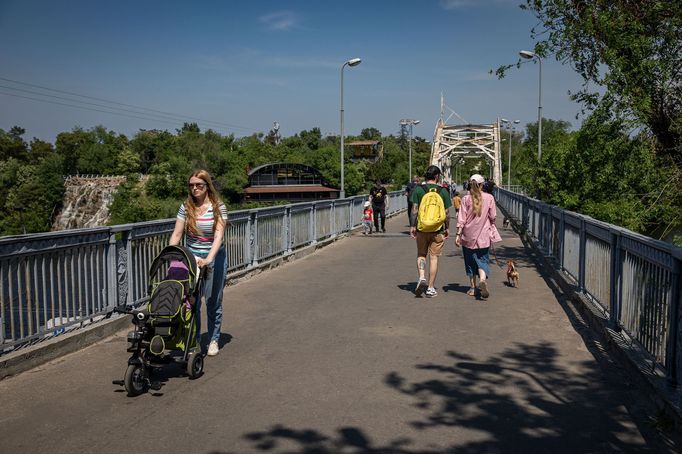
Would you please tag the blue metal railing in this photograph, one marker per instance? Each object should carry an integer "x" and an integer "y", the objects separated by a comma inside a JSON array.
[
  {"x": 58, "y": 281},
  {"x": 634, "y": 279}
]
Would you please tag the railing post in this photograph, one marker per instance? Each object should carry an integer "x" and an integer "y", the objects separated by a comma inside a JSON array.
[
  {"x": 562, "y": 238},
  {"x": 253, "y": 236},
  {"x": 673, "y": 349},
  {"x": 313, "y": 224},
  {"x": 125, "y": 237},
  {"x": 581, "y": 256},
  {"x": 616, "y": 281},
  {"x": 333, "y": 230},
  {"x": 112, "y": 272},
  {"x": 287, "y": 226},
  {"x": 547, "y": 230},
  {"x": 541, "y": 226}
]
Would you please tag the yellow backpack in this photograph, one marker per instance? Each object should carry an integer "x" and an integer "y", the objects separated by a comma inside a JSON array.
[{"x": 431, "y": 212}]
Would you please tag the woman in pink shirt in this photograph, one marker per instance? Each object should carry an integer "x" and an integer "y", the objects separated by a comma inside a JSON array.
[{"x": 475, "y": 223}]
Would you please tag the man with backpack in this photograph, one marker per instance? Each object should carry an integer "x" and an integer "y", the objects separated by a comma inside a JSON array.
[{"x": 429, "y": 225}]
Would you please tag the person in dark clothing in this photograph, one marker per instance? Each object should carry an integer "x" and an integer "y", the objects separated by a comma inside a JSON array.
[
  {"x": 408, "y": 193},
  {"x": 378, "y": 195}
]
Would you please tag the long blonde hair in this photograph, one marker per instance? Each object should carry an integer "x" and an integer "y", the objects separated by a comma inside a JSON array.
[
  {"x": 191, "y": 207},
  {"x": 476, "y": 197}
]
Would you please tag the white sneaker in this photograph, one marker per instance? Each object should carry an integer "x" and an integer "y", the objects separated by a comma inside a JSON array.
[
  {"x": 431, "y": 292},
  {"x": 213, "y": 348}
]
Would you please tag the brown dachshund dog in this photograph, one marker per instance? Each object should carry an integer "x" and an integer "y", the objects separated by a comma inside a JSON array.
[{"x": 512, "y": 274}]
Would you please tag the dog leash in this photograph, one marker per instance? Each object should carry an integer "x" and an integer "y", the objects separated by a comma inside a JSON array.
[{"x": 492, "y": 246}]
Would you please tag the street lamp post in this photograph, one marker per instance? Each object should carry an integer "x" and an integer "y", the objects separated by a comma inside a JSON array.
[
  {"x": 411, "y": 123},
  {"x": 529, "y": 56},
  {"x": 510, "y": 124},
  {"x": 351, "y": 62}
]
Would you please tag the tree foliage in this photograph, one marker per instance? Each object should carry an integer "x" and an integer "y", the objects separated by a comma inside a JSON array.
[
  {"x": 624, "y": 164},
  {"x": 33, "y": 173},
  {"x": 632, "y": 49}
]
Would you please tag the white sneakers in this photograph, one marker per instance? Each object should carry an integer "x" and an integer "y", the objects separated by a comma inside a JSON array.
[{"x": 213, "y": 348}]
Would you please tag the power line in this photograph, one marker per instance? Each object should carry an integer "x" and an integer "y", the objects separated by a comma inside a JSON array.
[
  {"x": 88, "y": 108},
  {"x": 180, "y": 117},
  {"x": 85, "y": 102}
]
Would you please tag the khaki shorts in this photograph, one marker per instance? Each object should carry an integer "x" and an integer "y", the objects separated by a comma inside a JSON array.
[{"x": 431, "y": 242}]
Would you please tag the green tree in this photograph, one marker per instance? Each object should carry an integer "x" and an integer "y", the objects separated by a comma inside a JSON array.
[
  {"x": 127, "y": 162},
  {"x": 35, "y": 193},
  {"x": 152, "y": 147},
  {"x": 370, "y": 134},
  {"x": 68, "y": 145},
  {"x": 12, "y": 145},
  {"x": 633, "y": 49}
]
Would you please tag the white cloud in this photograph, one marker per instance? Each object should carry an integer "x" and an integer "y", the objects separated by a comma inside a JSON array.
[
  {"x": 454, "y": 4},
  {"x": 457, "y": 4},
  {"x": 280, "y": 20}
]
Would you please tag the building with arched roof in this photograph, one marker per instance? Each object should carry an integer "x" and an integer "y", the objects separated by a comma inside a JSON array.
[{"x": 287, "y": 181}]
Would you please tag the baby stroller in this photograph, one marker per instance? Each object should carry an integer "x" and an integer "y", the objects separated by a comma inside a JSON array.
[{"x": 165, "y": 328}]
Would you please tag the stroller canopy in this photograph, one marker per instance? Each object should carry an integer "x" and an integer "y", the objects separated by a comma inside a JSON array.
[{"x": 176, "y": 263}]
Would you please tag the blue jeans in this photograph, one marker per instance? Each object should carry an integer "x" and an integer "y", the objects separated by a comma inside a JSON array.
[
  {"x": 213, "y": 292},
  {"x": 475, "y": 259}
]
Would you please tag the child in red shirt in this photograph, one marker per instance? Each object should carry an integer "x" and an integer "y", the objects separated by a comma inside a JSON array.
[{"x": 367, "y": 219}]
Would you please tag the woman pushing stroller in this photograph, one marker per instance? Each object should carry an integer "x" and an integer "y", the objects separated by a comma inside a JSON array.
[{"x": 201, "y": 220}]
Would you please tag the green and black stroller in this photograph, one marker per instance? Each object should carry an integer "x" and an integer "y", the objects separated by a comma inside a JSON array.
[{"x": 165, "y": 327}]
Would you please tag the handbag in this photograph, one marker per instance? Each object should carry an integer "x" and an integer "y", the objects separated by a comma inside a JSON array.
[{"x": 494, "y": 234}]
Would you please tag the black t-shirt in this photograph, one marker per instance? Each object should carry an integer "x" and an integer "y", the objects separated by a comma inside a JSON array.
[
  {"x": 409, "y": 188},
  {"x": 378, "y": 195}
]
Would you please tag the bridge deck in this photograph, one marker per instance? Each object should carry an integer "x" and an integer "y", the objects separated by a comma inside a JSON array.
[{"x": 333, "y": 353}]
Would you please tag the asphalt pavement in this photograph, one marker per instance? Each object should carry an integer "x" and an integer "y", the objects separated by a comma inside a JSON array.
[{"x": 333, "y": 353}]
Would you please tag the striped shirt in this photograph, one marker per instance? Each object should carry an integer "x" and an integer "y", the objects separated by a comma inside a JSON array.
[{"x": 201, "y": 244}]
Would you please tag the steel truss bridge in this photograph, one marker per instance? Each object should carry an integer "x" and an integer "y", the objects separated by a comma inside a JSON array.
[{"x": 454, "y": 143}]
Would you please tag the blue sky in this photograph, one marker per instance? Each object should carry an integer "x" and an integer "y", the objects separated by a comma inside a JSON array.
[{"x": 240, "y": 66}]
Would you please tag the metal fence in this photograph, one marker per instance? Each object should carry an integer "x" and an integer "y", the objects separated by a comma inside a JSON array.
[
  {"x": 54, "y": 282},
  {"x": 635, "y": 280}
]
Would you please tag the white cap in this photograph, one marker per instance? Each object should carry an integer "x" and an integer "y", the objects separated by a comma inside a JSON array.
[
  {"x": 366, "y": 204},
  {"x": 477, "y": 178}
]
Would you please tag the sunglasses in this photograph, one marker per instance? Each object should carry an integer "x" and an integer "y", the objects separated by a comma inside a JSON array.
[{"x": 196, "y": 185}]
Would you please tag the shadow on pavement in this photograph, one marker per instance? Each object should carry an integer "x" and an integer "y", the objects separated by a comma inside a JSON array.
[{"x": 521, "y": 400}]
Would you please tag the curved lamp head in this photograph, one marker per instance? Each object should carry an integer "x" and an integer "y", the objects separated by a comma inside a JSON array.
[
  {"x": 527, "y": 54},
  {"x": 504, "y": 120},
  {"x": 353, "y": 62},
  {"x": 415, "y": 122},
  {"x": 516, "y": 122}
]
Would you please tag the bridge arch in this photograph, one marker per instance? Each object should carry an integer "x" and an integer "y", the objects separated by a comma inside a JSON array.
[{"x": 466, "y": 141}]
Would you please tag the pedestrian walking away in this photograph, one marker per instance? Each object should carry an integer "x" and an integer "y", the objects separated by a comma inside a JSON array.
[
  {"x": 201, "y": 221},
  {"x": 430, "y": 226},
  {"x": 475, "y": 232},
  {"x": 378, "y": 195},
  {"x": 408, "y": 193},
  {"x": 456, "y": 203}
]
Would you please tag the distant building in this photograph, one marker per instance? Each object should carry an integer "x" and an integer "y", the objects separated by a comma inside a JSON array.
[
  {"x": 370, "y": 150},
  {"x": 288, "y": 182}
]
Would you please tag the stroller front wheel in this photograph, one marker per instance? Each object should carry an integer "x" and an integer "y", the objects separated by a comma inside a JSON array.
[
  {"x": 135, "y": 380},
  {"x": 195, "y": 365}
]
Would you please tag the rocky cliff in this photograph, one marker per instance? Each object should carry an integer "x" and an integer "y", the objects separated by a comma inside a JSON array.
[{"x": 86, "y": 201}]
